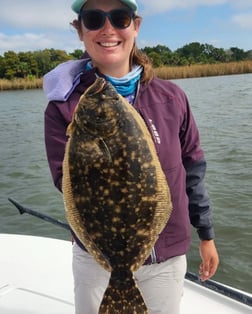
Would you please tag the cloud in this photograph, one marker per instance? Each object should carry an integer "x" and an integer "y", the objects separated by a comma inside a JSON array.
[
  {"x": 158, "y": 6},
  {"x": 34, "y": 41},
  {"x": 37, "y": 25},
  {"x": 21, "y": 42},
  {"x": 34, "y": 25},
  {"x": 44, "y": 14},
  {"x": 244, "y": 20},
  {"x": 31, "y": 15},
  {"x": 241, "y": 4},
  {"x": 151, "y": 7}
]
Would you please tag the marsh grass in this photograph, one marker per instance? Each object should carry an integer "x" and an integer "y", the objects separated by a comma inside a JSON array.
[
  {"x": 19, "y": 83},
  {"x": 165, "y": 72},
  {"x": 202, "y": 70}
]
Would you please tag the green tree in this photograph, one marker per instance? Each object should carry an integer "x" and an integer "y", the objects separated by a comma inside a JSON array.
[
  {"x": 43, "y": 59},
  {"x": 193, "y": 50},
  {"x": 59, "y": 56},
  {"x": 1, "y": 67},
  {"x": 219, "y": 55},
  {"x": 249, "y": 54},
  {"x": 40, "y": 62},
  {"x": 155, "y": 58},
  {"x": 10, "y": 65},
  {"x": 161, "y": 49},
  {"x": 238, "y": 54},
  {"x": 27, "y": 64},
  {"x": 77, "y": 54}
]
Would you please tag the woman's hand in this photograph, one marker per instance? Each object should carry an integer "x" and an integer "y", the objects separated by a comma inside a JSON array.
[{"x": 210, "y": 259}]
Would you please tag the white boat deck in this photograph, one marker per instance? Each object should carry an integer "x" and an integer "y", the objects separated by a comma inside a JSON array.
[{"x": 36, "y": 278}]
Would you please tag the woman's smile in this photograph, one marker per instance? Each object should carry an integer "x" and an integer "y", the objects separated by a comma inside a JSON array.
[{"x": 109, "y": 44}]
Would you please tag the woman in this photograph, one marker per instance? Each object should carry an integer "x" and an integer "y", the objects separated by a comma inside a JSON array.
[{"x": 108, "y": 29}]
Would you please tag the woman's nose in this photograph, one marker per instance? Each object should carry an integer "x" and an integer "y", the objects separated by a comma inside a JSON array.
[{"x": 107, "y": 25}]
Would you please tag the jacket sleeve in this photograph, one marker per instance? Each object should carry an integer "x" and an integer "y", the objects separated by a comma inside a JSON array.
[
  {"x": 55, "y": 126},
  {"x": 200, "y": 210}
]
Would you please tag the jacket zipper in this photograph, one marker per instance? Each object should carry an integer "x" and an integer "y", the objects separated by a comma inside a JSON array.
[{"x": 153, "y": 256}]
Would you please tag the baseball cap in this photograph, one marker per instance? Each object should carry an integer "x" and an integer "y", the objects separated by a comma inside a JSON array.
[{"x": 78, "y": 4}]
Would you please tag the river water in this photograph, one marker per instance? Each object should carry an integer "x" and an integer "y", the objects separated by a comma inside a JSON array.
[{"x": 222, "y": 107}]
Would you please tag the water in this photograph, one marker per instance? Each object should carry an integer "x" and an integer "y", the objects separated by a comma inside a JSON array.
[{"x": 222, "y": 107}]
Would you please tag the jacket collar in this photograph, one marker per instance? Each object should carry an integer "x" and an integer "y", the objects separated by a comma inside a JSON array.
[{"x": 59, "y": 83}]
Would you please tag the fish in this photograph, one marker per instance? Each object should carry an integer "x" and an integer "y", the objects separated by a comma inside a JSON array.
[{"x": 116, "y": 196}]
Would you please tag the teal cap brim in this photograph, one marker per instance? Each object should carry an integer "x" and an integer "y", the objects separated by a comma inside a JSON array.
[{"x": 78, "y": 4}]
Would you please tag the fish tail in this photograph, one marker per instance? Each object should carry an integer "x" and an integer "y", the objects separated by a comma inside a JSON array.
[{"x": 122, "y": 295}]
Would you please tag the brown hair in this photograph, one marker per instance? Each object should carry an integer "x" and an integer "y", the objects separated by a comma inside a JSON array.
[
  {"x": 136, "y": 57},
  {"x": 140, "y": 58}
]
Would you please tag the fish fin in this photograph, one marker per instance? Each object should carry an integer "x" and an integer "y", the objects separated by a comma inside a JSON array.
[{"x": 122, "y": 295}]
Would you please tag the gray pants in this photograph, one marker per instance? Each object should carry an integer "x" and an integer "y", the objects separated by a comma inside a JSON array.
[{"x": 161, "y": 284}]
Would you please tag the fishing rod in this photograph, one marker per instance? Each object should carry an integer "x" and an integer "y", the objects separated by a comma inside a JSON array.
[
  {"x": 32, "y": 212},
  {"x": 210, "y": 284}
]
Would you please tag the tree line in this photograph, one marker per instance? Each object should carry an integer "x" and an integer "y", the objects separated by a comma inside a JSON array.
[{"x": 36, "y": 64}]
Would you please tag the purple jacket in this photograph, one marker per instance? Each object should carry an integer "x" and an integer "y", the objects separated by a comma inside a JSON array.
[{"x": 165, "y": 109}]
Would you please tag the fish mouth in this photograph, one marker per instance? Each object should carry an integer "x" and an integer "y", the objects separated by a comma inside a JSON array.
[
  {"x": 95, "y": 111},
  {"x": 103, "y": 87},
  {"x": 96, "y": 87}
]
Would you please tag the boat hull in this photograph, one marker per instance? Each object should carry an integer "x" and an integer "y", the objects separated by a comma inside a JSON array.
[{"x": 31, "y": 278}]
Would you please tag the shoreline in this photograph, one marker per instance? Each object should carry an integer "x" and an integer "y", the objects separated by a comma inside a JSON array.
[{"x": 164, "y": 72}]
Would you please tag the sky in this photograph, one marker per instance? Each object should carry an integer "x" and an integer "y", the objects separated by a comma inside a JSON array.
[{"x": 29, "y": 25}]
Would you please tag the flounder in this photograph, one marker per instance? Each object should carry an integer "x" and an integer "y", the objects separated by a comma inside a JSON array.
[{"x": 116, "y": 195}]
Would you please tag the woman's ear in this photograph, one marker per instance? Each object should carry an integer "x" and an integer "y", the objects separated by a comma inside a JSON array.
[
  {"x": 137, "y": 24},
  {"x": 77, "y": 25}
]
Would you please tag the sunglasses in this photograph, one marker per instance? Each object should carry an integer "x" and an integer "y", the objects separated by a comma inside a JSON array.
[{"x": 95, "y": 19}]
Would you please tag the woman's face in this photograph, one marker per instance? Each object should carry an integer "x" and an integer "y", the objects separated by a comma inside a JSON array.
[{"x": 109, "y": 47}]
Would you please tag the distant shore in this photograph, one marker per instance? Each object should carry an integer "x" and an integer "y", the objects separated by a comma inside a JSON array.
[
  {"x": 165, "y": 72},
  {"x": 204, "y": 70},
  {"x": 20, "y": 83}
]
